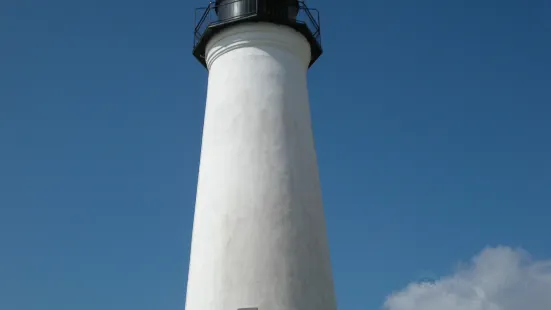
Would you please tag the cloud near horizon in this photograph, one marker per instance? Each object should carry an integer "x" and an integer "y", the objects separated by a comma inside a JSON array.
[{"x": 500, "y": 278}]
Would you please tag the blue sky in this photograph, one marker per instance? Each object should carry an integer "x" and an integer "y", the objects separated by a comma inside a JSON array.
[{"x": 432, "y": 123}]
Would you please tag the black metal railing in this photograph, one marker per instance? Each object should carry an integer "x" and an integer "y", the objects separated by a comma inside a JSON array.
[{"x": 207, "y": 17}]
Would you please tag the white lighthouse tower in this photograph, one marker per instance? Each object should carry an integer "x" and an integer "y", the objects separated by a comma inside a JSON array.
[{"x": 259, "y": 235}]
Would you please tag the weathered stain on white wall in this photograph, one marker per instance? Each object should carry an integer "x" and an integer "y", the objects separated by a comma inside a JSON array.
[{"x": 259, "y": 236}]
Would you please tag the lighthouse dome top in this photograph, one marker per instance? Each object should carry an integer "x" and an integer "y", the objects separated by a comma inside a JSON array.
[
  {"x": 277, "y": 8},
  {"x": 222, "y": 14}
]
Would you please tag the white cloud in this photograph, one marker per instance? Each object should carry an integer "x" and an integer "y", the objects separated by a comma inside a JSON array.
[{"x": 499, "y": 278}]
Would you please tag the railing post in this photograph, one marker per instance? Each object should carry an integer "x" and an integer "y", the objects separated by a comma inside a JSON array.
[{"x": 319, "y": 26}]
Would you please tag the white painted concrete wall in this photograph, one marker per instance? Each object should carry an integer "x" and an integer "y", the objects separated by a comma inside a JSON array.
[{"x": 259, "y": 236}]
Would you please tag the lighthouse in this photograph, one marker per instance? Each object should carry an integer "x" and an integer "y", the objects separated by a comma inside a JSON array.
[{"x": 259, "y": 235}]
